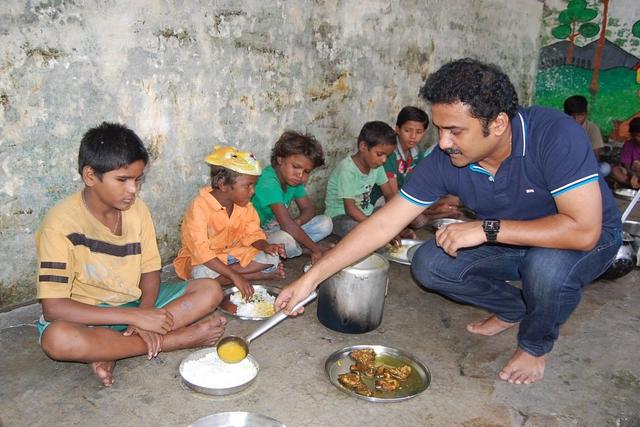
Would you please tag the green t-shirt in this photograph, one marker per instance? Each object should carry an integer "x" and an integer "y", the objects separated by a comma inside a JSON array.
[
  {"x": 347, "y": 182},
  {"x": 269, "y": 192}
]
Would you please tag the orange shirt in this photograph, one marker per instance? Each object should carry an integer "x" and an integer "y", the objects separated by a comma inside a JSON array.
[{"x": 208, "y": 232}]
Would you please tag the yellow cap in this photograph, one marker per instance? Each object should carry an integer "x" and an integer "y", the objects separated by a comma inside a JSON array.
[{"x": 230, "y": 158}]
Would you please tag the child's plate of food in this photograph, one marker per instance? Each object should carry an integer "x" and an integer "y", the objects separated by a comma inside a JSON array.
[
  {"x": 399, "y": 253},
  {"x": 377, "y": 373},
  {"x": 258, "y": 307},
  {"x": 625, "y": 193}
]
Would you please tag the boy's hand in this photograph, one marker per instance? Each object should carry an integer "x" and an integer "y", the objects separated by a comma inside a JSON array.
[
  {"x": 276, "y": 249},
  {"x": 635, "y": 166},
  {"x": 634, "y": 181},
  {"x": 158, "y": 320},
  {"x": 151, "y": 339},
  {"x": 244, "y": 286}
]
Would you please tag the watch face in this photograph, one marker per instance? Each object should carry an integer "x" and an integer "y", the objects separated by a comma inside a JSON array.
[{"x": 491, "y": 225}]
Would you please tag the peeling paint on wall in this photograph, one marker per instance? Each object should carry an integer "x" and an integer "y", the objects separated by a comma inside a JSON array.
[{"x": 188, "y": 75}]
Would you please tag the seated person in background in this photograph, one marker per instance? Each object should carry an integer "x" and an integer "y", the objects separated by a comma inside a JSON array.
[
  {"x": 221, "y": 234},
  {"x": 99, "y": 265},
  {"x": 411, "y": 125},
  {"x": 576, "y": 106},
  {"x": 627, "y": 172},
  {"x": 348, "y": 199},
  {"x": 293, "y": 158}
]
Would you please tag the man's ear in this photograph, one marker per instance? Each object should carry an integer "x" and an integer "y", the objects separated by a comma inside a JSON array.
[
  {"x": 500, "y": 124},
  {"x": 89, "y": 176}
]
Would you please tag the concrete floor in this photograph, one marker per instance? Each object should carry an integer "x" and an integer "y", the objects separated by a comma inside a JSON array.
[{"x": 592, "y": 376}]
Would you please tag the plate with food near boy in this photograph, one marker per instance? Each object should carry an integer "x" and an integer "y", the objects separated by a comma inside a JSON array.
[
  {"x": 258, "y": 307},
  {"x": 400, "y": 253}
]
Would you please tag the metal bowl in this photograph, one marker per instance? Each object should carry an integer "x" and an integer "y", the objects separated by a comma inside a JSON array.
[
  {"x": 215, "y": 391},
  {"x": 631, "y": 227},
  {"x": 625, "y": 193},
  {"x": 399, "y": 254},
  {"x": 230, "y": 308},
  {"x": 437, "y": 224},
  {"x": 236, "y": 419},
  {"x": 420, "y": 378}
]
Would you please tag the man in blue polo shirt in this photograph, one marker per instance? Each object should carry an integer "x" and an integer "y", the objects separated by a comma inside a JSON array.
[{"x": 548, "y": 219}]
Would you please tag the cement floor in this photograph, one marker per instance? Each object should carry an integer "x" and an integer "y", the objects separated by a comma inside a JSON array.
[{"x": 592, "y": 376}]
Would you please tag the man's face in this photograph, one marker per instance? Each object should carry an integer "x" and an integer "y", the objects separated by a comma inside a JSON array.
[
  {"x": 294, "y": 169},
  {"x": 118, "y": 188},
  {"x": 579, "y": 117},
  {"x": 460, "y": 134}
]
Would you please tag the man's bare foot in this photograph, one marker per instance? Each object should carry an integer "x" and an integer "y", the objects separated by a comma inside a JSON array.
[
  {"x": 204, "y": 333},
  {"x": 523, "y": 368},
  {"x": 489, "y": 326},
  {"x": 104, "y": 371}
]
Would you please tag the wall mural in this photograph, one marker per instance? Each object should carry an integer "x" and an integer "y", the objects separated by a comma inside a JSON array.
[{"x": 592, "y": 48}]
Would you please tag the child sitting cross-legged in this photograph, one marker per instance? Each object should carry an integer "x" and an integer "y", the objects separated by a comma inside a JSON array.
[
  {"x": 348, "y": 199},
  {"x": 221, "y": 234},
  {"x": 99, "y": 268},
  {"x": 293, "y": 158}
]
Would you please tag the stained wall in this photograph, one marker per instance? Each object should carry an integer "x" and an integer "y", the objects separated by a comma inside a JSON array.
[{"x": 186, "y": 75}]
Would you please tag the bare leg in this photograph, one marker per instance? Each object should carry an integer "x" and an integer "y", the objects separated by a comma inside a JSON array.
[
  {"x": 523, "y": 368},
  {"x": 489, "y": 327},
  {"x": 101, "y": 347}
]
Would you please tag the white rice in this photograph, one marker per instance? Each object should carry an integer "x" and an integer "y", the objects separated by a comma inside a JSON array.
[
  {"x": 209, "y": 371},
  {"x": 259, "y": 305}
]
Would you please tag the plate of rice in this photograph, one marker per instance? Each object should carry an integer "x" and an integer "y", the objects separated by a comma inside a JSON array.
[{"x": 258, "y": 307}]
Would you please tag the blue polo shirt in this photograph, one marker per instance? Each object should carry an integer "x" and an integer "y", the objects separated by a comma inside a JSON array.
[{"x": 550, "y": 155}]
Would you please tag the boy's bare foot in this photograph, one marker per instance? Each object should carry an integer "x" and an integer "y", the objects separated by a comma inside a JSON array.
[
  {"x": 523, "y": 368},
  {"x": 325, "y": 246},
  {"x": 489, "y": 326},
  {"x": 104, "y": 371},
  {"x": 204, "y": 333},
  {"x": 278, "y": 274}
]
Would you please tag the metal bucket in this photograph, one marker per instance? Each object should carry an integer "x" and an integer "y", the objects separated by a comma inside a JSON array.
[{"x": 352, "y": 300}]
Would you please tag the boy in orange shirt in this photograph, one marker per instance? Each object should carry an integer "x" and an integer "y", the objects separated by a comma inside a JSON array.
[{"x": 221, "y": 234}]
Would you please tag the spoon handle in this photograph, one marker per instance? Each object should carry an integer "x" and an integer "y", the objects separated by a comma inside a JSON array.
[
  {"x": 277, "y": 318},
  {"x": 631, "y": 206}
]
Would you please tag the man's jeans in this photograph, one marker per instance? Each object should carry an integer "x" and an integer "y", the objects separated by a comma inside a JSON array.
[
  {"x": 317, "y": 228},
  {"x": 552, "y": 281}
]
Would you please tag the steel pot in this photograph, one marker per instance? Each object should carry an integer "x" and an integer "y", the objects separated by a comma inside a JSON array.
[{"x": 352, "y": 300}]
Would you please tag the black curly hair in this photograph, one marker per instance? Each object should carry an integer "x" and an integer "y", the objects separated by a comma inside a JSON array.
[
  {"x": 484, "y": 88},
  {"x": 292, "y": 142}
]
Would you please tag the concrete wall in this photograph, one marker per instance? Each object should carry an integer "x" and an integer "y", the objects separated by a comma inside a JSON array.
[{"x": 187, "y": 75}]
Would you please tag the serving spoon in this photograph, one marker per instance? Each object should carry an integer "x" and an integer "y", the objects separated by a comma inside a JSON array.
[{"x": 233, "y": 349}]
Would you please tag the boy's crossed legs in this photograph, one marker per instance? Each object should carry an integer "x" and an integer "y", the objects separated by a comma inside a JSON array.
[{"x": 101, "y": 347}]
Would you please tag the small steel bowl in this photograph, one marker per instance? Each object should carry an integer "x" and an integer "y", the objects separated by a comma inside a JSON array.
[
  {"x": 437, "y": 224},
  {"x": 211, "y": 390}
]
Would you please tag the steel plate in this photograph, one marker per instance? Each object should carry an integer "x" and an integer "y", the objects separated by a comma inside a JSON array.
[
  {"x": 625, "y": 193},
  {"x": 230, "y": 308},
  {"x": 420, "y": 378},
  {"x": 399, "y": 254},
  {"x": 236, "y": 419},
  {"x": 211, "y": 390}
]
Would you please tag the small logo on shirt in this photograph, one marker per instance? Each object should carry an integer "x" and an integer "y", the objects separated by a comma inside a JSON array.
[{"x": 529, "y": 190}]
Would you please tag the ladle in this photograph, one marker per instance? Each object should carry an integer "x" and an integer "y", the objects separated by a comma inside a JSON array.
[
  {"x": 632, "y": 204},
  {"x": 235, "y": 348}
]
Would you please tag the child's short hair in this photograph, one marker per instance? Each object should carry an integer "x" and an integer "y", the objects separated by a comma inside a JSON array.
[
  {"x": 576, "y": 104},
  {"x": 634, "y": 126},
  {"x": 377, "y": 133},
  {"x": 412, "y": 114},
  {"x": 222, "y": 176},
  {"x": 110, "y": 146},
  {"x": 292, "y": 142}
]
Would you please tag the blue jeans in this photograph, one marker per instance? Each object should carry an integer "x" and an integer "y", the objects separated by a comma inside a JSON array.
[
  {"x": 552, "y": 281},
  {"x": 317, "y": 228}
]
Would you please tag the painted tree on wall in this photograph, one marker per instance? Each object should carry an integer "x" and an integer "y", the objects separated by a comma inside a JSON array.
[
  {"x": 574, "y": 22},
  {"x": 594, "y": 86}
]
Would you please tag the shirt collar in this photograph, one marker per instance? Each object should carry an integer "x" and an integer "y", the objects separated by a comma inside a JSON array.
[{"x": 518, "y": 135}]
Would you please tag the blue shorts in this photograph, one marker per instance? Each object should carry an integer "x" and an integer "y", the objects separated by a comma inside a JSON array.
[{"x": 167, "y": 293}]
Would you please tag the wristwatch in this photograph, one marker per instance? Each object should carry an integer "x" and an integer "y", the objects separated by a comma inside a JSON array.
[{"x": 491, "y": 228}]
